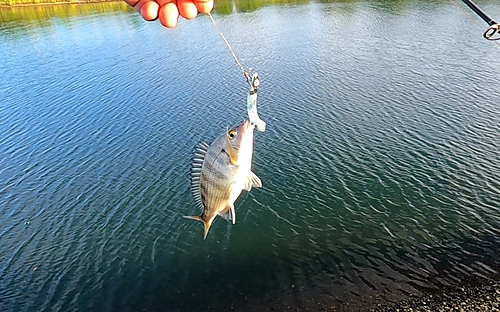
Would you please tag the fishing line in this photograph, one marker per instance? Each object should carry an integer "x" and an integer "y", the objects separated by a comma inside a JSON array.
[
  {"x": 466, "y": 14},
  {"x": 254, "y": 82},
  {"x": 247, "y": 75}
]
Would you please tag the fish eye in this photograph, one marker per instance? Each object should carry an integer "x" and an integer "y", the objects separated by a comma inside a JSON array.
[{"x": 231, "y": 134}]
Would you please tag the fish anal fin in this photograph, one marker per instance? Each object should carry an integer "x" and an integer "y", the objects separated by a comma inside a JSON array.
[
  {"x": 233, "y": 213},
  {"x": 229, "y": 214},
  {"x": 226, "y": 215}
]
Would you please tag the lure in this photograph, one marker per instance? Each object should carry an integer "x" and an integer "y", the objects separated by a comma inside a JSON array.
[{"x": 253, "y": 116}]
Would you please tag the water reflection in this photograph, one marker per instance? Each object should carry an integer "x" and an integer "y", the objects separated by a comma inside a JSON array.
[
  {"x": 19, "y": 21},
  {"x": 40, "y": 13}
]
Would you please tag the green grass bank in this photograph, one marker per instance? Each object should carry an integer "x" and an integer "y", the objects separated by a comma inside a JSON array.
[{"x": 6, "y": 3}]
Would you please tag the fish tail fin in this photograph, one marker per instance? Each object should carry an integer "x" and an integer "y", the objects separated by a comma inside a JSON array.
[{"x": 206, "y": 224}]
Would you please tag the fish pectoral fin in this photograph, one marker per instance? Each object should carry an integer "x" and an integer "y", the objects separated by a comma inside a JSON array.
[
  {"x": 229, "y": 214},
  {"x": 252, "y": 180},
  {"x": 206, "y": 224}
]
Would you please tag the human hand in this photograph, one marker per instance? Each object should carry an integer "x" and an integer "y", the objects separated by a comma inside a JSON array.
[{"x": 168, "y": 11}]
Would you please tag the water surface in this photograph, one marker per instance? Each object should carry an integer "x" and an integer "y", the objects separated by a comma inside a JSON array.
[{"x": 380, "y": 163}]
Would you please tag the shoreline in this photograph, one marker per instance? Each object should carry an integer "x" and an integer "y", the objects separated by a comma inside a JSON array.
[{"x": 466, "y": 298}]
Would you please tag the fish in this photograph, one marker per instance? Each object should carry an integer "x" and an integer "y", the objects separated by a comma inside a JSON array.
[{"x": 220, "y": 172}]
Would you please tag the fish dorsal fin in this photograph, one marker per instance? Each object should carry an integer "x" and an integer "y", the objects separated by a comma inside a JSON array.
[
  {"x": 199, "y": 153},
  {"x": 229, "y": 215},
  {"x": 252, "y": 180}
]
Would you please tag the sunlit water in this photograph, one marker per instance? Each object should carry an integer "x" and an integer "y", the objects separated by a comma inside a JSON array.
[{"x": 380, "y": 163}]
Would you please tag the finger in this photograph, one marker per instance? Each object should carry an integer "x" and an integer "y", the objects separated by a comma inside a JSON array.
[
  {"x": 163, "y": 2},
  {"x": 136, "y": 4},
  {"x": 149, "y": 10},
  {"x": 168, "y": 15},
  {"x": 132, "y": 3},
  {"x": 187, "y": 9},
  {"x": 204, "y": 6}
]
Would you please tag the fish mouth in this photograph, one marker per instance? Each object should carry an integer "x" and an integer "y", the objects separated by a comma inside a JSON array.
[
  {"x": 232, "y": 152},
  {"x": 246, "y": 124}
]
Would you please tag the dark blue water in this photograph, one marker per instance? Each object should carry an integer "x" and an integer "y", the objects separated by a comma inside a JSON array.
[{"x": 380, "y": 164}]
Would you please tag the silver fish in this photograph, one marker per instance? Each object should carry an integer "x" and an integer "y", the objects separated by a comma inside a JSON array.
[{"x": 220, "y": 171}]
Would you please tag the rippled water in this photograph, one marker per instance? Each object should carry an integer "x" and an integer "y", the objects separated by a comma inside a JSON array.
[{"x": 380, "y": 164}]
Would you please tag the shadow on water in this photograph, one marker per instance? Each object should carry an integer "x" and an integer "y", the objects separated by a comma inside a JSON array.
[{"x": 230, "y": 282}]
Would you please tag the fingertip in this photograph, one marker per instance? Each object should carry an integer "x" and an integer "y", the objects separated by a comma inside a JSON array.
[
  {"x": 132, "y": 3},
  {"x": 149, "y": 10},
  {"x": 168, "y": 15},
  {"x": 187, "y": 9},
  {"x": 204, "y": 7}
]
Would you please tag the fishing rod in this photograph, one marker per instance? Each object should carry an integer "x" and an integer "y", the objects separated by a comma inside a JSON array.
[{"x": 494, "y": 26}]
